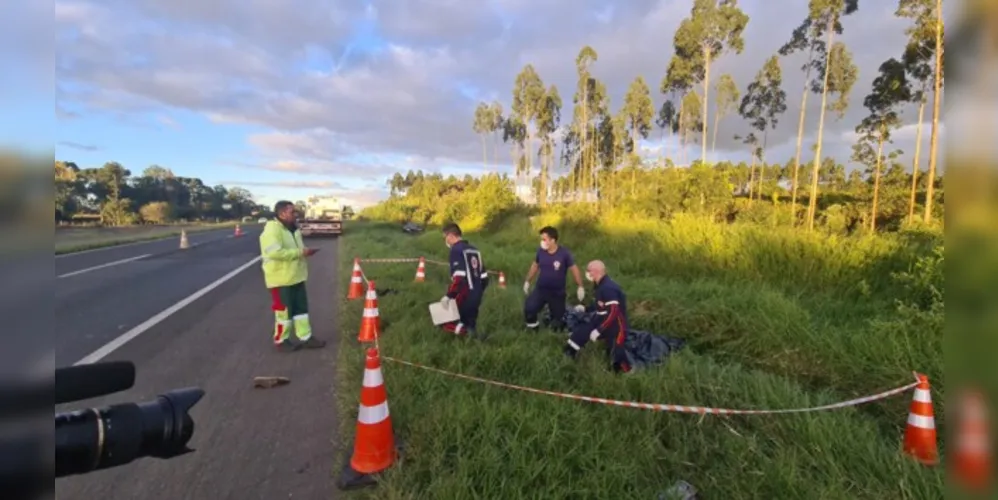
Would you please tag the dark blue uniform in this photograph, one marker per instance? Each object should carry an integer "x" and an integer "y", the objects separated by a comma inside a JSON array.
[
  {"x": 469, "y": 279},
  {"x": 550, "y": 288},
  {"x": 609, "y": 324}
]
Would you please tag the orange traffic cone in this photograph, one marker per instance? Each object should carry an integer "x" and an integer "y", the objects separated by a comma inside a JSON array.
[
  {"x": 239, "y": 231},
  {"x": 920, "y": 433},
  {"x": 370, "y": 324},
  {"x": 356, "y": 290},
  {"x": 374, "y": 447},
  {"x": 502, "y": 280},
  {"x": 184, "y": 244},
  {"x": 421, "y": 270},
  {"x": 971, "y": 453}
]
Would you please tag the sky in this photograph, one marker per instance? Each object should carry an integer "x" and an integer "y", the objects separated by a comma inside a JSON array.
[{"x": 291, "y": 98}]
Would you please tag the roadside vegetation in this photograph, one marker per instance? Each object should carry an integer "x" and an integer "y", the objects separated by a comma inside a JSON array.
[
  {"x": 797, "y": 282},
  {"x": 775, "y": 319}
]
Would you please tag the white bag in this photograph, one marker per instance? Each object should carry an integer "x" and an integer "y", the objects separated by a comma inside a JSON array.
[{"x": 441, "y": 314}]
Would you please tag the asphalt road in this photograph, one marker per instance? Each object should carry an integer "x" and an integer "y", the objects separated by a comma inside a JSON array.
[
  {"x": 251, "y": 443},
  {"x": 87, "y": 259}
]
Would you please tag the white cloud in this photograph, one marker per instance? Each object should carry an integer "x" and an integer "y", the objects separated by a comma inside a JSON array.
[
  {"x": 393, "y": 96},
  {"x": 286, "y": 184}
]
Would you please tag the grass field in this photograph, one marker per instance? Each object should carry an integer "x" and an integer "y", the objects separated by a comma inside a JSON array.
[
  {"x": 76, "y": 239},
  {"x": 774, "y": 319}
]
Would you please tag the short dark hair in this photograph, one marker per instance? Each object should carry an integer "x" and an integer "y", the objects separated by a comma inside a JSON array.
[
  {"x": 550, "y": 231},
  {"x": 281, "y": 205},
  {"x": 452, "y": 229}
]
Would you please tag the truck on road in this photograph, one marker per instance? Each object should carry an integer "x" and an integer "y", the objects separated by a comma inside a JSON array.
[{"x": 323, "y": 217}]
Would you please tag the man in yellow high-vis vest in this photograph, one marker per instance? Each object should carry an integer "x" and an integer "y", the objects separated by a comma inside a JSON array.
[{"x": 285, "y": 272}]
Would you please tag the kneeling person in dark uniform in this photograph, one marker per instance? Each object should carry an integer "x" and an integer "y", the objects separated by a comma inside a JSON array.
[
  {"x": 609, "y": 324},
  {"x": 469, "y": 279}
]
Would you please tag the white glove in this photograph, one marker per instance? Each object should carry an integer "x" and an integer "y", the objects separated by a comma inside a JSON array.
[
  {"x": 581, "y": 293},
  {"x": 593, "y": 335},
  {"x": 445, "y": 301},
  {"x": 579, "y": 308},
  {"x": 526, "y": 287}
]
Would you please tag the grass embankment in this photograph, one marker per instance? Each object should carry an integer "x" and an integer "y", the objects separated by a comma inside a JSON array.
[
  {"x": 78, "y": 239},
  {"x": 775, "y": 319}
]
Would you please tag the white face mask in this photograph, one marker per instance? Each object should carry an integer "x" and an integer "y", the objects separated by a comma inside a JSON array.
[
  {"x": 589, "y": 277},
  {"x": 544, "y": 245}
]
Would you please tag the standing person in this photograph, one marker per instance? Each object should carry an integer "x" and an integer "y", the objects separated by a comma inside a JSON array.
[
  {"x": 609, "y": 324},
  {"x": 285, "y": 272},
  {"x": 469, "y": 279},
  {"x": 552, "y": 262}
]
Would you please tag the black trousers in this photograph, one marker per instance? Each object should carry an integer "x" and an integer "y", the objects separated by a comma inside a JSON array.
[{"x": 553, "y": 299}]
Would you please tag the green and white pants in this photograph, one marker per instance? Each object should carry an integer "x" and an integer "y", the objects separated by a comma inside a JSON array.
[{"x": 290, "y": 305}]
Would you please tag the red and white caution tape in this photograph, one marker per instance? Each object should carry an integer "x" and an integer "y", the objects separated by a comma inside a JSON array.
[
  {"x": 703, "y": 410},
  {"x": 390, "y": 261},
  {"x": 409, "y": 260}
]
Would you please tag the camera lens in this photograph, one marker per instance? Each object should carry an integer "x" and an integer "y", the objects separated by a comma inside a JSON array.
[{"x": 93, "y": 439}]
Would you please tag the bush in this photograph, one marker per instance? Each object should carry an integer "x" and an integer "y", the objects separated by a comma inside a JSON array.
[
  {"x": 117, "y": 213},
  {"x": 157, "y": 212},
  {"x": 472, "y": 203}
]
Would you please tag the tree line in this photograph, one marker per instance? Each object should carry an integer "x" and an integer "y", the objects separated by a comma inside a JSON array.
[
  {"x": 597, "y": 145},
  {"x": 112, "y": 196}
]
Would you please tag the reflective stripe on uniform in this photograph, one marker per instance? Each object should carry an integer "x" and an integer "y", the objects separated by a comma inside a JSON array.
[
  {"x": 573, "y": 345},
  {"x": 271, "y": 248},
  {"x": 459, "y": 273}
]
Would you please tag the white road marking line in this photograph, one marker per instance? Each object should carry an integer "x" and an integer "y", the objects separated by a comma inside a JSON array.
[
  {"x": 102, "y": 266},
  {"x": 111, "y": 247},
  {"x": 134, "y": 243},
  {"x": 113, "y": 345}
]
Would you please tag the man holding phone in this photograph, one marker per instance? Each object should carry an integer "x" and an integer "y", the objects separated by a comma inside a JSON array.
[{"x": 285, "y": 271}]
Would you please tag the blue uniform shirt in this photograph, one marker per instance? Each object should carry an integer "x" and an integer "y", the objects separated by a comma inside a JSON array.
[
  {"x": 553, "y": 268},
  {"x": 611, "y": 309}
]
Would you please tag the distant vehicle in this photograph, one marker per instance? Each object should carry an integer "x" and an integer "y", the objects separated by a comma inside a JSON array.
[
  {"x": 262, "y": 220},
  {"x": 411, "y": 228},
  {"x": 323, "y": 216}
]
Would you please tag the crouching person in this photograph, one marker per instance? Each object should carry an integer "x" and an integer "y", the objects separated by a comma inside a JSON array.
[
  {"x": 609, "y": 324},
  {"x": 469, "y": 279}
]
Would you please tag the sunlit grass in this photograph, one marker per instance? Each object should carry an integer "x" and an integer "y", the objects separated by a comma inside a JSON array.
[{"x": 775, "y": 319}]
